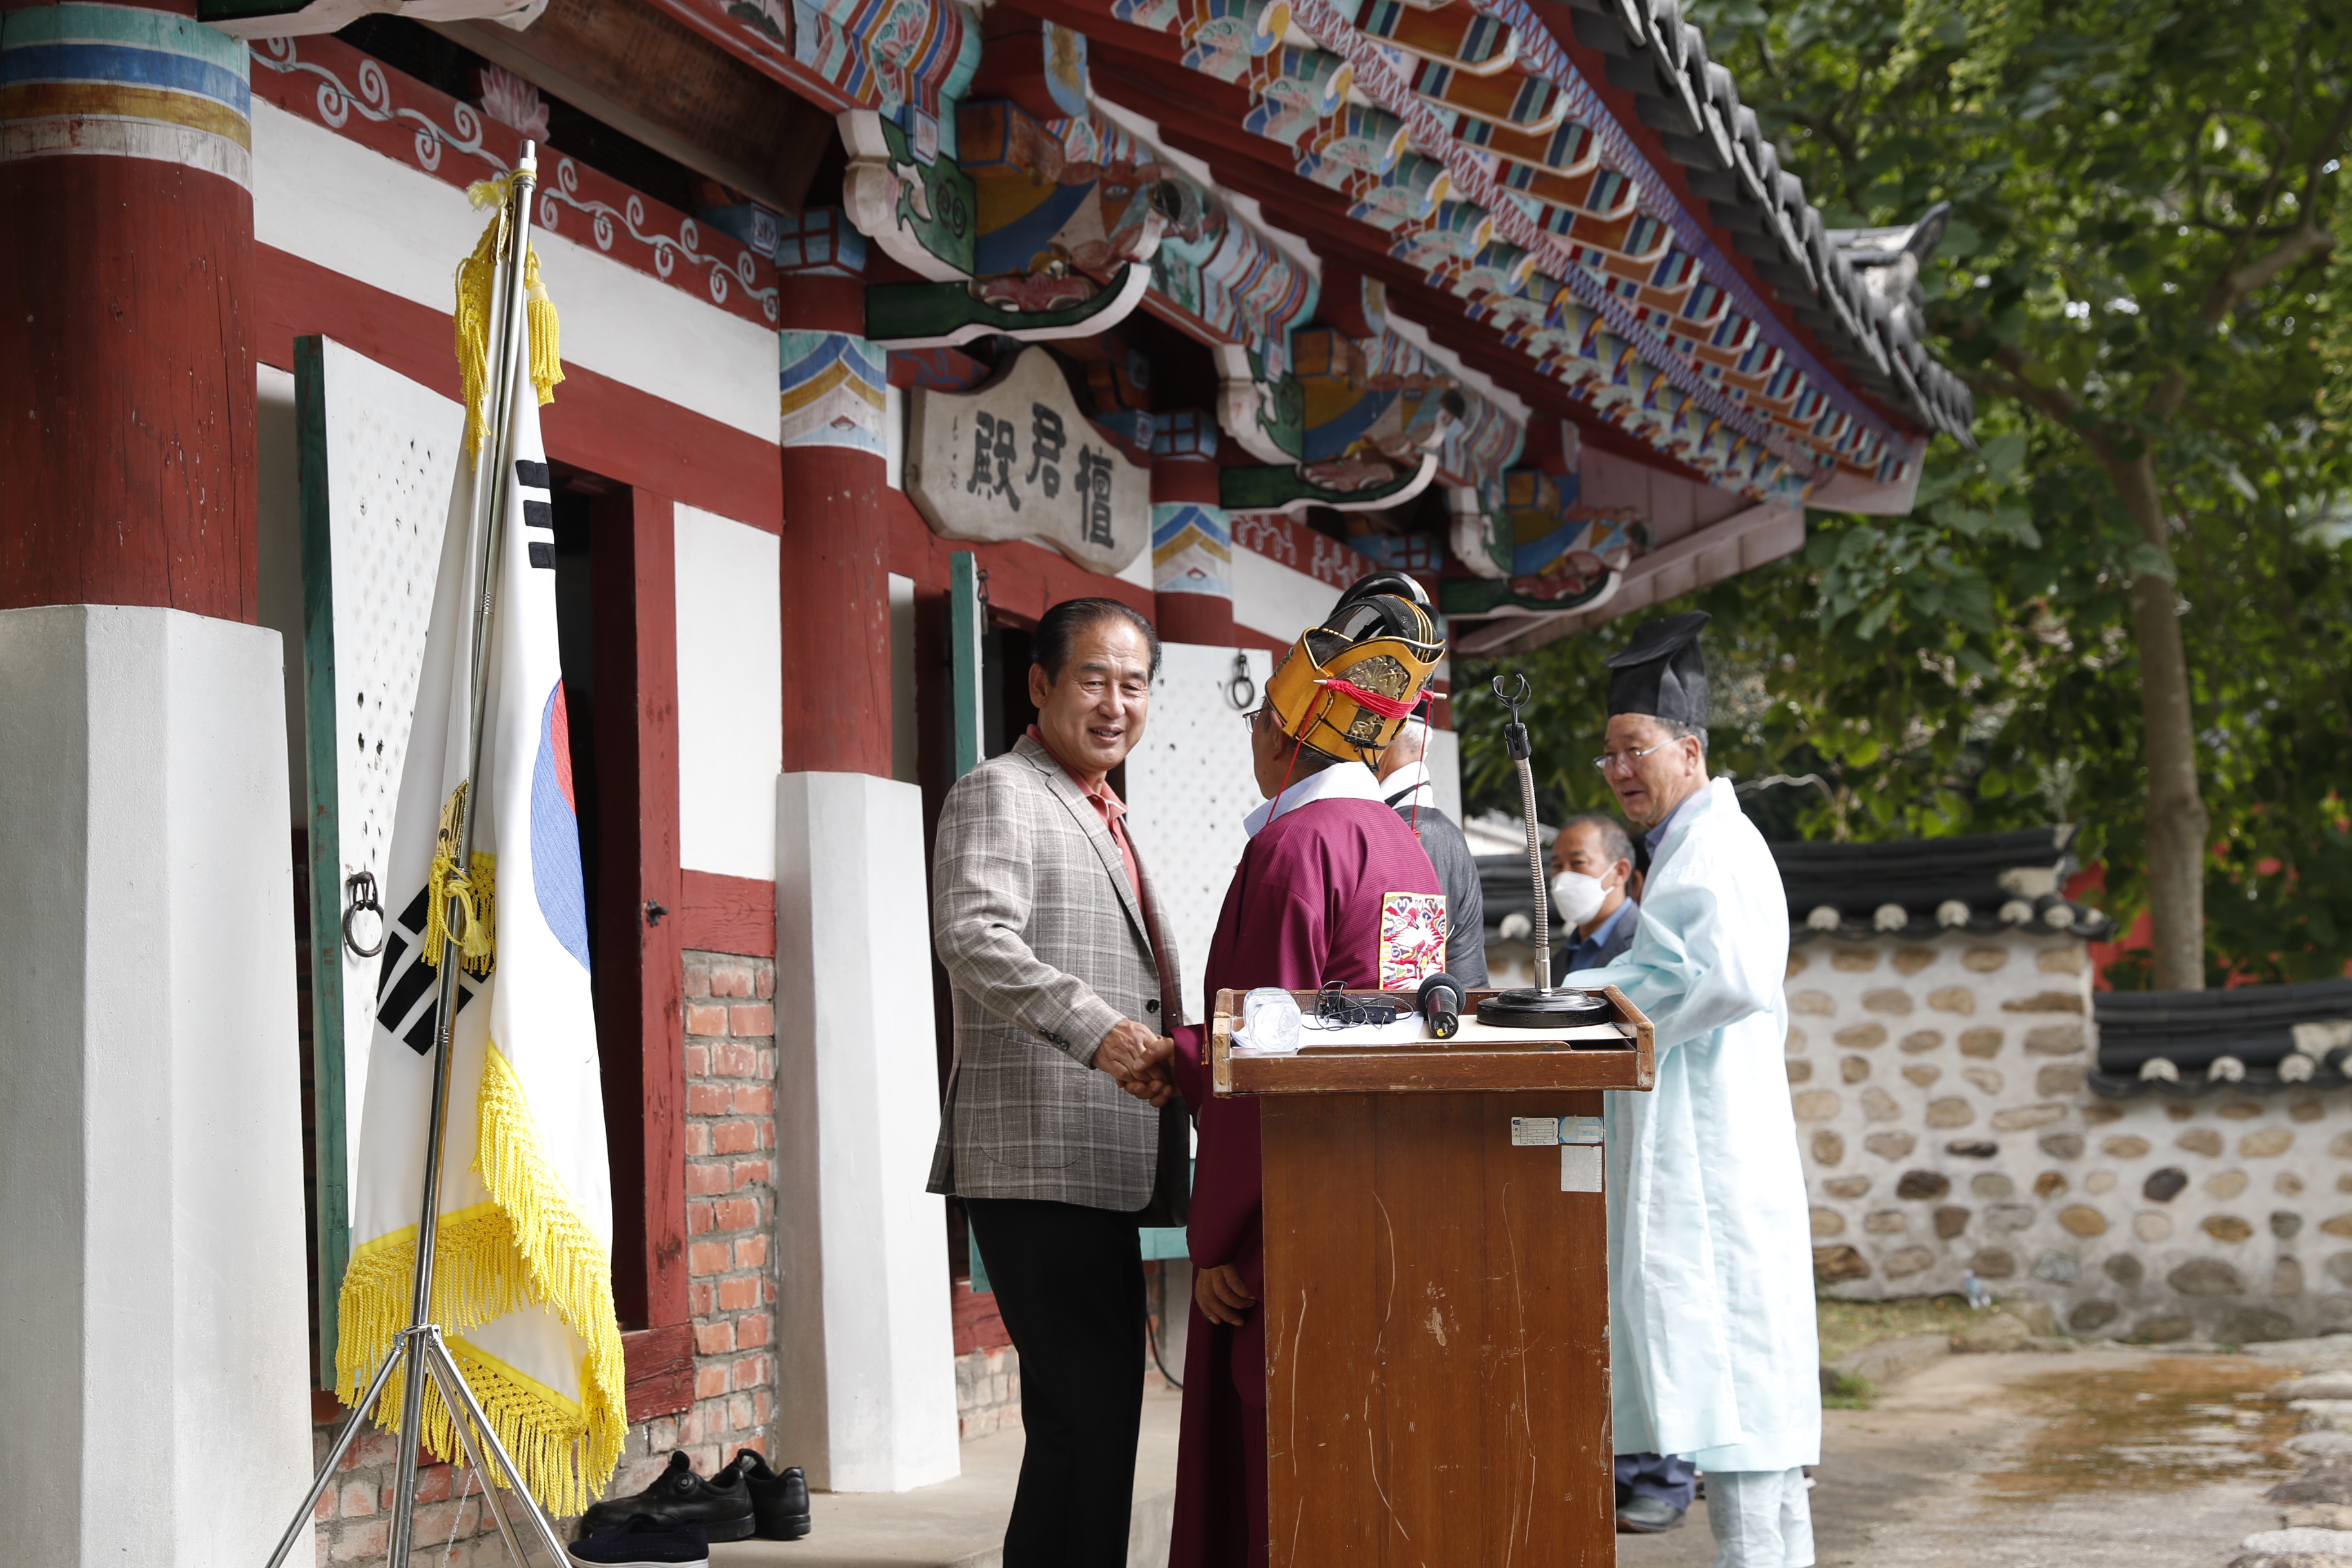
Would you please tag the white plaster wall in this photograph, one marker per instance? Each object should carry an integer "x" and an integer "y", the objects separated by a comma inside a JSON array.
[
  {"x": 865, "y": 1374},
  {"x": 151, "y": 1166},
  {"x": 1277, "y": 600},
  {"x": 730, "y": 695},
  {"x": 1189, "y": 786},
  {"x": 1939, "y": 1089},
  {"x": 353, "y": 211}
]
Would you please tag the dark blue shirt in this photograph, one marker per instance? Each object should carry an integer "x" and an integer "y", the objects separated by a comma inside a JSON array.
[
  {"x": 1657, "y": 836},
  {"x": 1586, "y": 952}
]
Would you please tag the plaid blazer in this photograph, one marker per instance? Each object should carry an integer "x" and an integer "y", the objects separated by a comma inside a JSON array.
[{"x": 1045, "y": 948}]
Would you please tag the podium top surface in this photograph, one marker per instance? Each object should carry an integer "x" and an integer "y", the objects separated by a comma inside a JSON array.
[{"x": 1619, "y": 1053}]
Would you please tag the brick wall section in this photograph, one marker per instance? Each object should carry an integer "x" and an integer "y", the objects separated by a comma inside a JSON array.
[
  {"x": 731, "y": 1136},
  {"x": 730, "y": 1212},
  {"x": 451, "y": 1528}
]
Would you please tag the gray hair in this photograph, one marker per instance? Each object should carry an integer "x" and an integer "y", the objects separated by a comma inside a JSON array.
[{"x": 1615, "y": 842}]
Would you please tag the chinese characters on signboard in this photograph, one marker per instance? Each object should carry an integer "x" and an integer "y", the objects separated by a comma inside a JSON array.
[{"x": 1018, "y": 460}]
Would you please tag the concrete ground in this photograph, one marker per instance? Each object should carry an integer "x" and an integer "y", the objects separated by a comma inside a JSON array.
[
  {"x": 960, "y": 1523},
  {"x": 2097, "y": 1458},
  {"x": 2105, "y": 1458}
]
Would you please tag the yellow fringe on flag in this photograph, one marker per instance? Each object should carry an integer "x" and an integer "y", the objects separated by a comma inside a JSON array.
[
  {"x": 474, "y": 890},
  {"x": 570, "y": 1269},
  {"x": 477, "y": 277},
  {"x": 530, "y": 1245}
]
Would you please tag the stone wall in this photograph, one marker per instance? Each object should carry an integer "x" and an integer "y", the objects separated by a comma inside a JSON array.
[{"x": 1937, "y": 1088}]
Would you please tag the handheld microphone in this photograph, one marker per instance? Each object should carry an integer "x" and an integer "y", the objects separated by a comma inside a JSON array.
[{"x": 1441, "y": 1002}]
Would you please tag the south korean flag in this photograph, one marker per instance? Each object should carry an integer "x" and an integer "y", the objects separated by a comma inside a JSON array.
[{"x": 522, "y": 1271}]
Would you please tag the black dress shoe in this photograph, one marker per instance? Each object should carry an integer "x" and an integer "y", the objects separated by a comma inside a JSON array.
[
  {"x": 643, "y": 1542},
  {"x": 779, "y": 1501},
  {"x": 1647, "y": 1516},
  {"x": 720, "y": 1505}
]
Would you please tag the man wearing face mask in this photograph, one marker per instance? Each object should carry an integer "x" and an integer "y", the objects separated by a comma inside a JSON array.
[
  {"x": 1710, "y": 1256},
  {"x": 1593, "y": 871}
]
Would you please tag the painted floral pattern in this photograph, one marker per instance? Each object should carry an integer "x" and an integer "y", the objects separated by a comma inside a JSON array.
[{"x": 1412, "y": 938}]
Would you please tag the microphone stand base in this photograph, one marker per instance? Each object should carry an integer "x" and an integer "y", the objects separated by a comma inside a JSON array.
[{"x": 1531, "y": 1009}]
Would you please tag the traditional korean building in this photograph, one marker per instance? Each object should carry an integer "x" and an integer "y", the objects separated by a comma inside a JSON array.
[{"x": 884, "y": 326}]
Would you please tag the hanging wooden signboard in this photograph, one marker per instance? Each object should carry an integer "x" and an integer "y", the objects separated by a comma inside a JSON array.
[{"x": 1017, "y": 459}]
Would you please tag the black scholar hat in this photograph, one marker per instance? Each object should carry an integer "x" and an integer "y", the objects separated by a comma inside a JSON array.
[{"x": 1661, "y": 672}]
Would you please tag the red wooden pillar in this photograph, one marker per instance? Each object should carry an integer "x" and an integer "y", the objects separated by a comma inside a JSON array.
[
  {"x": 640, "y": 1024},
  {"x": 127, "y": 453},
  {"x": 835, "y": 567}
]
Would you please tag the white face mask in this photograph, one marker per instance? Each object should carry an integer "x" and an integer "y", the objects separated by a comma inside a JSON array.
[{"x": 1575, "y": 898}]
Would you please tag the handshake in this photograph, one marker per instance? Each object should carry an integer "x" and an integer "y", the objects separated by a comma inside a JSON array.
[{"x": 1136, "y": 1060}]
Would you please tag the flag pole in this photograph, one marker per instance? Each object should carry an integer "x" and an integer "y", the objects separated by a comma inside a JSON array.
[{"x": 420, "y": 1351}]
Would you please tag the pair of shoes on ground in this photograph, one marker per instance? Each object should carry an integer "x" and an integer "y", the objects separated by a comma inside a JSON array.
[
  {"x": 1644, "y": 1515},
  {"x": 744, "y": 1499}
]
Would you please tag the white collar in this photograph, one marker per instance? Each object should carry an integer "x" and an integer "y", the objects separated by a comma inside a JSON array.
[
  {"x": 1341, "y": 781},
  {"x": 1410, "y": 785}
]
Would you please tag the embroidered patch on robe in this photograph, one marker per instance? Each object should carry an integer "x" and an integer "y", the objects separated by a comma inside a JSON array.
[{"x": 1412, "y": 938}]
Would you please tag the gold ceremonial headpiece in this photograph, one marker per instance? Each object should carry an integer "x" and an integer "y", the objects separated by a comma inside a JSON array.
[{"x": 1346, "y": 686}]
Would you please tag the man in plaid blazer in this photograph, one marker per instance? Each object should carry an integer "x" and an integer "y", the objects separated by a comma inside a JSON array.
[{"x": 1063, "y": 980}]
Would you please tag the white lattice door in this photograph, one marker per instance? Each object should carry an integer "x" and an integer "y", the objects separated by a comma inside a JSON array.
[
  {"x": 378, "y": 453},
  {"x": 1189, "y": 786}
]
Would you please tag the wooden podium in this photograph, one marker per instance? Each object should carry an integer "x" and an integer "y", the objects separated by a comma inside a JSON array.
[{"x": 1437, "y": 1292}]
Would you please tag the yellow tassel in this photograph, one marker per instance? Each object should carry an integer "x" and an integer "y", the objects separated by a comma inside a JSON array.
[
  {"x": 492, "y": 191},
  {"x": 476, "y": 292},
  {"x": 477, "y": 277},
  {"x": 475, "y": 894},
  {"x": 529, "y": 1245},
  {"x": 546, "y": 353}
]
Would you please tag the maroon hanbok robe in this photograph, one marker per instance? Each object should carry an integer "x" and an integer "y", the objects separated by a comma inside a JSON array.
[{"x": 1303, "y": 909}]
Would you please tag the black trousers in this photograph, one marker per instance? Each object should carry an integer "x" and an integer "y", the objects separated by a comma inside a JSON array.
[{"x": 1069, "y": 1283}]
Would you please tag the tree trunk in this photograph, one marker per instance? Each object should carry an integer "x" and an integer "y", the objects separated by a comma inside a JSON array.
[{"x": 2177, "y": 822}]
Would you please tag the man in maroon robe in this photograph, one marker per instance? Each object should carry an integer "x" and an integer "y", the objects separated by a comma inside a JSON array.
[{"x": 1324, "y": 893}]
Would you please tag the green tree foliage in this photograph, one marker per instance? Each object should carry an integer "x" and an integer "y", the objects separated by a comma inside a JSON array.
[{"x": 2135, "y": 609}]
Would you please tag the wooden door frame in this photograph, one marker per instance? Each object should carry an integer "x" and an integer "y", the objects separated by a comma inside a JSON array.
[{"x": 640, "y": 1016}]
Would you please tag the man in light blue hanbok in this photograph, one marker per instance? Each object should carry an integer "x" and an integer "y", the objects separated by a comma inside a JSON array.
[{"x": 1710, "y": 1259}]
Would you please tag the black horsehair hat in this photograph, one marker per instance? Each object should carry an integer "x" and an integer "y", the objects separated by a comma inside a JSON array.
[{"x": 1661, "y": 672}]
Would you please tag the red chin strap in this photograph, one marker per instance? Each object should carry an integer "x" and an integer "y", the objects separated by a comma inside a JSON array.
[{"x": 1386, "y": 707}]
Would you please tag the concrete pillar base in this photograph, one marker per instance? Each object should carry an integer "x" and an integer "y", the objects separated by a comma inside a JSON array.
[
  {"x": 865, "y": 1354},
  {"x": 153, "y": 1396}
]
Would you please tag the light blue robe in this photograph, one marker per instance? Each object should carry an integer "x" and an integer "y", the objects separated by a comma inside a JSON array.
[{"x": 1710, "y": 1257}]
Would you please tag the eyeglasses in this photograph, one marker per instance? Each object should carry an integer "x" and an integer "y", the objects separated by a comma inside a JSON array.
[
  {"x": 1250, "y": 719},
  {"x": 1623, "y": 761}
]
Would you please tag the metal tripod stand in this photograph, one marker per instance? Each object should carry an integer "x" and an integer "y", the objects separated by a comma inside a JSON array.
[{"x": 420, "y": 1348}]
